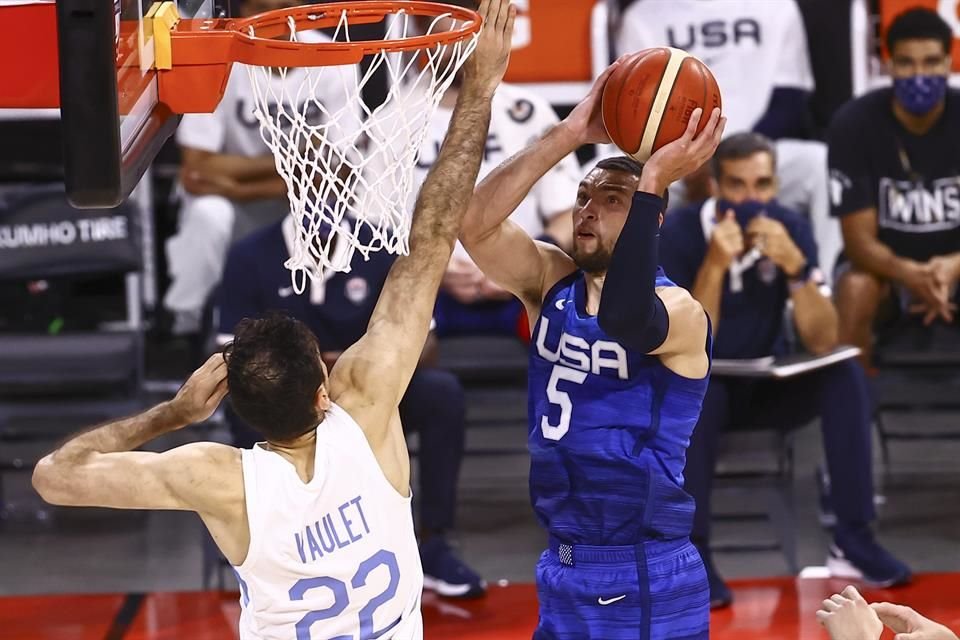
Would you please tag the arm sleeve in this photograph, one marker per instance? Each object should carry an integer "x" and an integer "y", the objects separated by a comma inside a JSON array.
[
  {"x": 238, "y": 297},
  {"x": 850, "y": 185},
  {"x": 630, "y": 309}
]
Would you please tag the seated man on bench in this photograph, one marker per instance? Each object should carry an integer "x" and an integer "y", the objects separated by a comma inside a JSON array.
[{"x": 743, "y": 256}]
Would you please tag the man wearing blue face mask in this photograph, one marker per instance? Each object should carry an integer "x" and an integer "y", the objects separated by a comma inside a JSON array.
[
  {"x": 743, "y": 256},
  {"x": 895, "y": 185}
]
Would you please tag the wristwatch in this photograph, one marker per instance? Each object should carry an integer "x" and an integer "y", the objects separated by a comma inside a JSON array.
[{"x": 805, "y": 274}]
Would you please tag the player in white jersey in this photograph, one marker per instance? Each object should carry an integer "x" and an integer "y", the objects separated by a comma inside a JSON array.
[{"x": 316, "y": 520}]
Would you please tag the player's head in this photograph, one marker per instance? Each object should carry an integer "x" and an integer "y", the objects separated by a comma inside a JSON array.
[
  {"x": 276, "y": 377},
  {"x": 919, "y": 43},
  {"x": 603, "y": 202},
  {"x": 745, "y": 169}
]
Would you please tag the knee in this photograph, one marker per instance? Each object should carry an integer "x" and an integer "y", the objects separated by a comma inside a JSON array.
[{"x": 858, "y": 293}]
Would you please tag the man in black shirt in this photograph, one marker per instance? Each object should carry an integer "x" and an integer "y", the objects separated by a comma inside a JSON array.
[{"x": 895, "y": 184}]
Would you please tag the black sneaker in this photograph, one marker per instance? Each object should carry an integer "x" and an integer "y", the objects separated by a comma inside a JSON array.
[
  {"x": 447, "y": 574},
  {"x": 856, "y": 554},
  {"x": 720, "y": 595}
]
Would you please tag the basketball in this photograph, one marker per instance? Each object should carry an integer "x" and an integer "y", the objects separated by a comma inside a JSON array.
[{"x": 648, "y": 99}]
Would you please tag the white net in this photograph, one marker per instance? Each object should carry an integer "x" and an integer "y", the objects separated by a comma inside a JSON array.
[{"x": 349, "y": 169}]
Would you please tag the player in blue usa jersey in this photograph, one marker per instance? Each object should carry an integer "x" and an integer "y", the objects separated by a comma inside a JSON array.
[{"x": 618, "y": 370}]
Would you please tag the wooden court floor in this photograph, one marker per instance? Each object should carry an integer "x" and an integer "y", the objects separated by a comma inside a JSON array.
[{"x": 771, "y": 609}]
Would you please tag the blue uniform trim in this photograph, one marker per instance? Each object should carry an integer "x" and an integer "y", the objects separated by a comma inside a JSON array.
[{"x": 644, "y": 583}]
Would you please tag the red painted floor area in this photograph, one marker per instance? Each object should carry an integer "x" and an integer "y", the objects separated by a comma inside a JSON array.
[{"x": 772, "y": 609}]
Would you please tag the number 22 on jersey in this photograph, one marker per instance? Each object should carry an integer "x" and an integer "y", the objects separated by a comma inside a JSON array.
[{"x": 341, "y": 597}]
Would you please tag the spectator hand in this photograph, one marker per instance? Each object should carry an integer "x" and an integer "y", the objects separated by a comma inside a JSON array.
[
  {"x": 726, "y": 242},
  {"x": 928, "y": 283},
  {"x": 773, "y": 240},
  {"x": 847, "y": 616},
  {"x": 910, "y": 625},
  {"x": 207, "y": 184},
  {"x": 684, "y": 155},
  {"x": 487, "y": 64},
  {"x": 201, "y": 394}
]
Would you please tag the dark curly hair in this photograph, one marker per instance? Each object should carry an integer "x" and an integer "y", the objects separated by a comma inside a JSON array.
[
  {"x": 274, "y": 372},
  {"x": 919, "y": 24}
]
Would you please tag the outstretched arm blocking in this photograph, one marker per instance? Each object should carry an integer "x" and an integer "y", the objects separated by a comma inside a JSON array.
[{"x": 376, "y": 370}]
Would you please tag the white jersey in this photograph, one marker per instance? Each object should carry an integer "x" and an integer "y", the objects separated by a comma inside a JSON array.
[
  {"x": 751, "y": 46},
  {"x": 518, "y": 117},
  {"x": 333, "y": 558},
  {"x": 233, "y": 128}
]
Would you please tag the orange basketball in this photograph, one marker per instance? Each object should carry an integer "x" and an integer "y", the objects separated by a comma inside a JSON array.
[{"x": 648, "y": 100}]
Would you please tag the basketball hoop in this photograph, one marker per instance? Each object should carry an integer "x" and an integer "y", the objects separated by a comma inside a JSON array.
[
  {"x": 322, "y": 153},
  {"x": 166, "y": 64}
]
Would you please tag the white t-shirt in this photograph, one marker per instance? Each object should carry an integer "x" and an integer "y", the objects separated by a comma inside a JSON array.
[
  {"x": 517, "y": 118},
  {"x": 335, "y": 557},
  {"x": 233, "y": 128},
  {"x": 751, "y": 46}
]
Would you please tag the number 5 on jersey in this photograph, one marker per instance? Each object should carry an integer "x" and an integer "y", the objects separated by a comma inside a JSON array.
[{"x": 562, "y": 400}]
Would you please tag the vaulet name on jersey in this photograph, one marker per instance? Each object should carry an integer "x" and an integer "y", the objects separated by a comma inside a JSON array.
[{"x": 334, "y": 531}]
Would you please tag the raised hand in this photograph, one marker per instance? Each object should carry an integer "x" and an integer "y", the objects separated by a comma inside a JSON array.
[
  {"x": 486, "y": 66},
  {"x": 684, "y": 155},
  {"x": 201, "y": 394},
  {"x": 847, "y": 616},
  {"x": 586, "y": 119},
  {"x": 932, "y": 294}
]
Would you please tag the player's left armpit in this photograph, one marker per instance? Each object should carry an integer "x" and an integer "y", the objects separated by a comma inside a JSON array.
[{"x": 630, "y": 309}]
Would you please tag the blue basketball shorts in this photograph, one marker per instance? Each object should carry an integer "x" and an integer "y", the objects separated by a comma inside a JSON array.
[{"x": 655, "y": 590}]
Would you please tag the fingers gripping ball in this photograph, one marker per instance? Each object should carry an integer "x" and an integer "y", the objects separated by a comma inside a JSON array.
[{"x": 648, "y": 99}]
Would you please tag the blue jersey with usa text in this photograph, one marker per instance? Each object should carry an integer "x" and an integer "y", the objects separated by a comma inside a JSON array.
[{"x": 609, "y": 429}]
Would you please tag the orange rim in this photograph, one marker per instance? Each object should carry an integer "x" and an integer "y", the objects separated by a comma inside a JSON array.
[{"x": 264, "y": 49}]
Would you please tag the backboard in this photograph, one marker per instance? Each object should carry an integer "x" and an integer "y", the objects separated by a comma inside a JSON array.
[
  {"x": 108, "y": 95},
  {"x": 94, "y": 60}
]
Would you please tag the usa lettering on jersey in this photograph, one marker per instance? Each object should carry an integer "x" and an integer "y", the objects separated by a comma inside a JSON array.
[
  {"x": 576, "y": 353},
  {"x": 714, "y": 34}
]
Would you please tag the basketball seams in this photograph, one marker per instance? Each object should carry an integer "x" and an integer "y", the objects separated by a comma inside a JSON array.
[
  {"x": 660, "y": 102},
  {"x": 690, "y": 64},
  {"x": 664, "y": 83}
]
